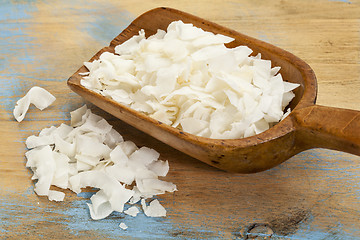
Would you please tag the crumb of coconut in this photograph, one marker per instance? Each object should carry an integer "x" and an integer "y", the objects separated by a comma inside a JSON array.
[{"x": 123, "y": 226}]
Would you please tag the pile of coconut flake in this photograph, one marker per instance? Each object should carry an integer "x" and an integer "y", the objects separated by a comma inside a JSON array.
[
  {"x": 187, "y": 78},
  {"x": 90, "y": 153}
]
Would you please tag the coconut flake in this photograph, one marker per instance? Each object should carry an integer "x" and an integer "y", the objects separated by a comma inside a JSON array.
[
  {"x": 118, "y": 156},
  {"x": 37, "y": 96},
  {"x": 132, "y": 211},
  {"x": 41, "y": 159},
  {"x": 160, "y": 168},
  {"x": 37, "y": 141},
  {"x": 112, "y": 138},
  {"x": 123, "y": 174},
  {"x": 56, "y": 196},
  {"x": 117, "y": 194},
  {"x": 154, "y": 209},
  {"x": 100, "y": 207},
  {"x": 62, "y": 168},
  {"x": 77, "y": 116},
  {"x": 63, "y": 146},
  {"x": 91, "y": 146},
  {"x": 128, "y": 147},
  {"x": 45, "y": 138},
  {"x": 144, "y": 156},
  {"x": 154, "y": 186},
  {"x": 187, "y": 78},
  {"x": 90, "y": 153},
  {"x": 123, "y": 226}
]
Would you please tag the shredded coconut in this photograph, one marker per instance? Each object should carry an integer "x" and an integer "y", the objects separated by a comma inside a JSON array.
[
  {"x": 187, "y": 78},
  {"x": 90, "y": 153}
]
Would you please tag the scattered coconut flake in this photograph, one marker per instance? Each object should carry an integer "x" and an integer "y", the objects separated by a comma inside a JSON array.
[
  {"x": 154, "y": 209},
  {"x": 144, "y": 156},
  {"x": 132, "y": 211},
  {"x": 124, "y": 174},
  {"x": 56, "y": 196},
  {"x": 160, "y": 168},
  {"x": 90, "y": 153},
  {"x": 116, "y": 193},
  {"x": 37, "y": 96},
  {"x": 100, "y": 207},
  {"x": 42, "y": 162},
  {"x": 78, "y": 116},
  {"x": 123, "y": 226},
  {"x": 137, "y": 196},
  {"x": 187, "y": 78},
  {"x": 62, "y": 169},
  {"x": 154, "y": 186},
  {"x": 37, "y": 141}
]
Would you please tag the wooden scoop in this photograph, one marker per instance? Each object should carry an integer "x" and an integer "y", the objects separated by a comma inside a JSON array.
[{"x": 307, "y": 126}]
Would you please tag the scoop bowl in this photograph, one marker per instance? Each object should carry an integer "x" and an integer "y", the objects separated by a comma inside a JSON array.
[{"x": 307, "y": 126}]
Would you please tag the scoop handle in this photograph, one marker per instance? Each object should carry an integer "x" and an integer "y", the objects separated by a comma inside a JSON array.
[{"x": 328, "y": 127}]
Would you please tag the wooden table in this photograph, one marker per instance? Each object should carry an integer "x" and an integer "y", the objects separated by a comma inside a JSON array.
[{"x": 314, "y": 195}]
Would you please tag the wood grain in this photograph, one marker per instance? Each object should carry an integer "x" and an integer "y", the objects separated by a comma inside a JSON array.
[{"x": 314, "y": 195}]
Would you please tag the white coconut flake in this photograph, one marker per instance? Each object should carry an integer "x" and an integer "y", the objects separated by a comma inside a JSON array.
[
  {"x": 46, "y": 137},
  {"x": 78, "y": 116},
  {"x": 187, "y": 78},
  {"x": 154, "y": 209},
  {"x": 91, "y": 146},
  {"x": 100, "y": 206},
  {"x": 112, "y": 138},
  {"x": 37, "y": 96},
  {"x": 155, "y": 186},
  {"x": 128, "y": 147},
  {"x": 137, "y": 196},
  {"x": 37, "y": 141},
  {"x": 144, "y": 156},
  {"x": 90, "y": 153},
  {"x": 63, "y": 146},
  {"x": 117, "y": 194},
  {"x": 123, "y": 226},
  {"x": 41, "y": 161},
  {"x": 62, "y": 169},
  {"x": 118, "y": 156},
  {"x": 132, "y": 211},
  {"x": 160, "y": 168},
  {"x": 123, "y": 174},
  {"x": 56, "y": 196}
]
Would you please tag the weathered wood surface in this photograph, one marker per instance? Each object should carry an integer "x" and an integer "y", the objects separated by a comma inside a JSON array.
[{"x": 314, "y": 195}]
